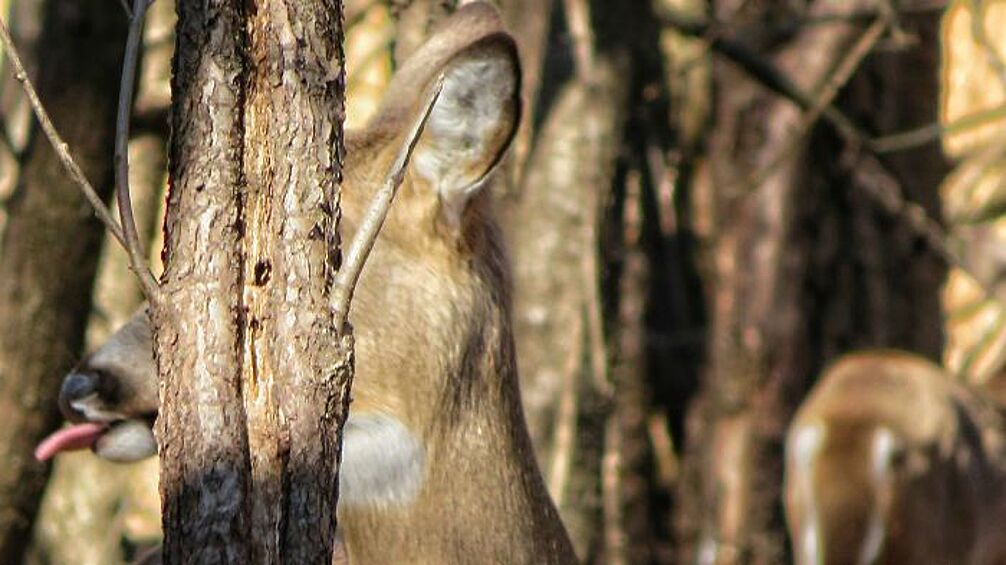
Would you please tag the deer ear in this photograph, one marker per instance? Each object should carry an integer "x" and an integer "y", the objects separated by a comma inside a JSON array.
[{"x": 472, "y": 122}]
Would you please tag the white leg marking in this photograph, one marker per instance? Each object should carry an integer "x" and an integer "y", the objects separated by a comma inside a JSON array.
[
  {"x": 707, "y": 551},
  {"x": 881, "y": 450},
  {"x": 382, "y": 461},
  {"x": 806, "y": 445}
]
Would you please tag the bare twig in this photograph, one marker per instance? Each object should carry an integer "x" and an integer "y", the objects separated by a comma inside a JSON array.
[
  {"x": 359, "y": 249},
  {"x": 134, "y": 248},
  {"x": 864, "y": 15},
  {"x": 931, "y": 132},
  {"x": 58, "y": 145},
  {"x": 668, "y": 466},
  {"x": 759, "y": 67},
  {"x": 885, "y": 190},
  {"x": 846, "y": 68},
  {"x": 125, "y": 8},
  {"x": 615, "y": 538},
  {"x": 598, "y": 350}
]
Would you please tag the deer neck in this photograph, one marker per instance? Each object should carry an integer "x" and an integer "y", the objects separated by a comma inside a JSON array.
[{"x": 482, "y": 498}]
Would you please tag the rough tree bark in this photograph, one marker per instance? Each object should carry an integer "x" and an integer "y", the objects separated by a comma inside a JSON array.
[
  {"x": 247, "y": 354},
  {"x": 297, "y": 365},
  {"x": 806, "y": 267},
  {"x": 201, "y": 426},
  {"x": 50, "y": 247}
]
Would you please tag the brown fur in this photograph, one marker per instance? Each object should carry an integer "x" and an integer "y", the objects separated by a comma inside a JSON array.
[
  {"x": 438, "y": 350},
  {"x": 939, "y": 496},
  {"x": 434, "y": 343}
]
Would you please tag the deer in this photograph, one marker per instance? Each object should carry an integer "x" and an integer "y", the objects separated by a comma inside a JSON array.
[
  {"x": 438, "y": 465},
  {"x": 891, "y": 460}
]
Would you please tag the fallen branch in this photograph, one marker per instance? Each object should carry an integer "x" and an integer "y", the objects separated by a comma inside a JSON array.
[{"x": 359, "y": 249}]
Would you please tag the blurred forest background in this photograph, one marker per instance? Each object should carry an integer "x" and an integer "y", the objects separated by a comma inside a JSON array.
[{"x": 707, "y": 202}]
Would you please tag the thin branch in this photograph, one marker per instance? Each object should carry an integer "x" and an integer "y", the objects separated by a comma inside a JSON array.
[
  {"x": 615, "y": 538},
  {"x": 125, "y": 8},
  {"x": 846, "y": 68},
  {"x": 564, "y": 435},
  {"x": 864, "y": 15},
  {"x": 931, "y": 132},
  {"x": 359, "y": 249},
  {"x": 667, "y": 463},
  {"x": 592, "y": 302},
  {"x": 58, "y": 145},
  {"x": 134, "y": 248},
  {"x": 757, "y": 66}
]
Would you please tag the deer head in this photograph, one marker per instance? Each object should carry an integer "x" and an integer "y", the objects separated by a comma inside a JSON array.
[
  {"x": 437, "y": 462},
  {"x": 889, "y": 460}
]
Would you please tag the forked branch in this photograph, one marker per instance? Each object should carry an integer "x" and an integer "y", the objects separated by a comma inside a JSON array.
[
  {"x": 126, "y": 234},
  {"x": 359, "y": 249}
]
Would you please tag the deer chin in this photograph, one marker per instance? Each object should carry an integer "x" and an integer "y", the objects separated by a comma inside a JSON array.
[{"x": 123, "y": 441}]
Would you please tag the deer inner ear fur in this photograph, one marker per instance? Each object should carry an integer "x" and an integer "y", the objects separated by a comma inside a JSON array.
[{"x": 471, "y": 124}]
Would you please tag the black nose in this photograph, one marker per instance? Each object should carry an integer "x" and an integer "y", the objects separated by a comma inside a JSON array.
[{"x": 78, "y": 385}]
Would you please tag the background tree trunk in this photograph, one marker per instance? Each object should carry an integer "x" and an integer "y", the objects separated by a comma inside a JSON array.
[
  {"x": 96, "y": 512},
  {"x": 661, "y": 166},
  {"x": 49, "y": 248}
]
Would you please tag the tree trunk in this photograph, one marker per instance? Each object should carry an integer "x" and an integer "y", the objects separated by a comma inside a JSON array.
[
  {"x": 562, "y": 357},
  {"x": 50, "y": 248},
  {"x": 254, "y": 376},
  {"x": 203, "y": 442},
  {"x": 578, "y": 367},
  {"x": 297, "y": 365}
]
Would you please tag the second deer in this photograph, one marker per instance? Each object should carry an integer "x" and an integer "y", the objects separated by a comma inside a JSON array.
[{"x": 892, "y": 461}]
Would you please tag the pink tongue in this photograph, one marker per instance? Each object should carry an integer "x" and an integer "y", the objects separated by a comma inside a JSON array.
[{"x": 77, "y": 436}]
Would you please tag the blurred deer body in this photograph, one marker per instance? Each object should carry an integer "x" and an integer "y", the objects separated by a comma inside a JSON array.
[
  {"x": 438, "y": 466},
  {"x": 889, "y": 460}
]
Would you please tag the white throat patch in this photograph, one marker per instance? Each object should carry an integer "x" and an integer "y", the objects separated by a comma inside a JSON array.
[{"x": 382, "y": 462}]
